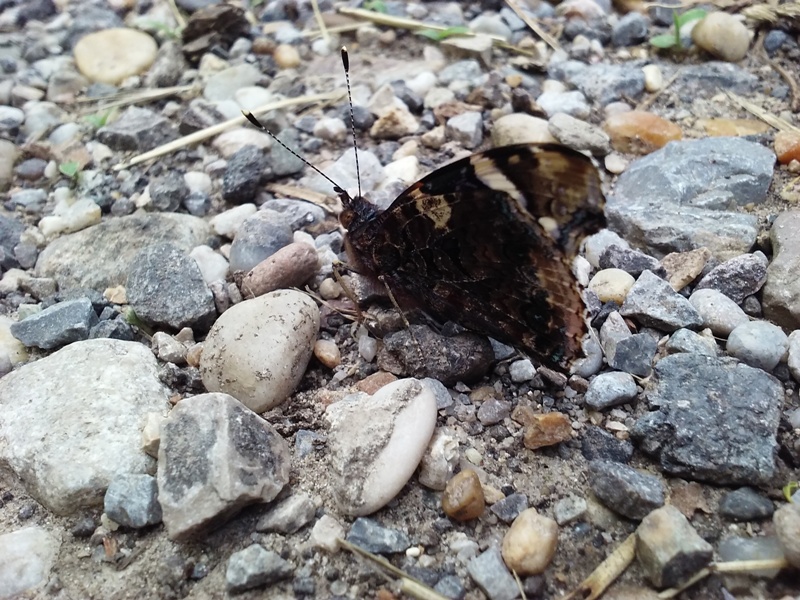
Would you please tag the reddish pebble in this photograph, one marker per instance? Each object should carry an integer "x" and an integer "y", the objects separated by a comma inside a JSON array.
[
  {"x": 291, "y": 266},
  {"x": 787, "y": 146},
  {"x": 547, "y": 430},
  {"x": 640, "y": 132},
  {"x": 372, "y": 383},
  {"x": 463, "y": 497}
]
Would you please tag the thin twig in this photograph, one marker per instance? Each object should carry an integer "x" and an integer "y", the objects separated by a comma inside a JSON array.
[
  {"x": 770, "y": 119},
  {"x": 203, "y": 134},
  {"x": 535, "y": 27},
  {"x": 648, "y": 102},
  {"x": 606, "y": 572},
  {"x": 321, "y": 23},
  {"x": 136, "y": 97},
  {"x": 734, "y": 566},
  {"x": 778, "y": 68}
]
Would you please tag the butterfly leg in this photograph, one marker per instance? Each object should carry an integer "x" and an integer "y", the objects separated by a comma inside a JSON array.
[{"x": 382, "y": 279}]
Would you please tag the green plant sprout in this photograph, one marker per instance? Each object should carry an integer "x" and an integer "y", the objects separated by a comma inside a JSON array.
[
  {"x": 70, "y": 169},
  {"x": 375, "y": 6},
  {"x": 672, "y": 39},
  {"x": 789, "y": 489},
  {"x": 98, "y": 120},
  {"x": 438, "y": 35}
]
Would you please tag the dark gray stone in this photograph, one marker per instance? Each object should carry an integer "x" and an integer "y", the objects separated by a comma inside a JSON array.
[
  {"x": 598, "y": 444},
  {"x": 746, "y": 504},
  {"x": 775, "y": 40},
  {"x": 652, "y": 302},
  {"x": 450, "y": 586},
  {"x": 738, "y": 277},
  {"x": 634, "y": 354},
  {"x": 57, "y": 326},
  {"x": 254, "y": 567},
  {"x": 629, "y": 260},
  {"x": 493, "y": 411},
  {"x": 712, "y": 419},
  {"x": 260, "y": 236},
  {"x": 509, "y": 507},
  {"x": 603, "y": 83},
  {"x": 243, "y": 175},
  {"x": 116, "y": 329},
  {"x": 168, "y": 67},
  {"x": 137, "y": 130},
  {"x": 705, "y": 79},
  {"x": 132, "y": 500},
  {"x": 490, "y": 574},
  {"x": 168, "y": 192},
  {"x": 289, "y": 515},
  {"x": 625, "y": 490},
  {"x": 462, "y": 357},
  {"x": 686, "y": 340},
  {"x": 165, "y": 288},
  {"x": 374, "y": 537},
  {"x": 630, "y": 30},
  {"x": 686, "y": 195},
  {"x": 304, "y": 442}
]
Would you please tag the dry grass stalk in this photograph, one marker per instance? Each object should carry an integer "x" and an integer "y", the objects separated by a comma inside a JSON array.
[{"x": 606, "y": 572}]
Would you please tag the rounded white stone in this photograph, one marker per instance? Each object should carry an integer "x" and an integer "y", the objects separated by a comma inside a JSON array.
[
  {"x": 376, "y": 443},
  {"x": 213, "y": 266},
  {"x": 612, "y": 284},
  {"x": 719, "y": 313},
  {"x": 258, "y": 350},
  {"x": 226, "y": 223},
  {"x": 111, "y": 55}
]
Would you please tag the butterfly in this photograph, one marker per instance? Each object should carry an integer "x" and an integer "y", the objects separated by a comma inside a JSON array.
[{"x": 487, "y": 242}]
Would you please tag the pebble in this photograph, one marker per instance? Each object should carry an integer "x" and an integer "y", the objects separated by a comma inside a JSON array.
[
  {"x": 326, "y": 534},
  {"x": 783, "y": 285},
  {"x": 611, "y": 285},
  {"x": 509, "y": 508},
  {"x": 166, "y": 288},
  {"x": 71, "y": 470},
  {"x": 745, "y": 504},
  {"x": 289, "y": 515},
  {"x": 255, "y": 567},
  {"x": 653, "y": 78},
  {"x": 733, "y": 127},
  {"x": 597, "y": 444},
  {"x": 131, "y": 500},
  {"x": 168, "y": 349},
  {"x": 491, "y": 575},
  {"x": 793, "y": 360},
  {"x": 530, "y": 543},
  {"x": 546, "y": 430},
  {"x": 723, "y": 36},
  {"x": 683, "y": 267},
  {"x": 27, "y": 556},
  {"x": 787, "y": 527},
  {"x": 227, "y": 223},
  {"x": 518, "y": 128},
  {"x": 653, "y": 303},
  {"x": 686, "y": 340},
  {"x": 374, "y": 537},
  {"x": 610, "y": 389},
  {"x": 569, "y": 509},
  {"x": 758, "y": 343},
  {"x": 247, "y": 465},
  {"x": 327, "y": 352},
  {"x": 439, "y": 461},
  {"x": 629, "y": 260},
  {"x": 290, "y": 266},
  {"x": 579, "y": 135},
  {"x": 112, "y": 55},
  {"x": 258, "y": 350},
  {"x": 56, "y": 326},
  {"x": 744, "y": 548},
  {"x": 625, "y": 490},
  {"x": 463, "y": 498},
  {"x": 572, "y": 103},
  {"x": 212, "y": 265},
  {"x": 787, "y": 146},
  {"x": 737, "y": 277},
  {"x": 259, "y": 237},
  {"x": 668, "y": 548},
  {"x": 286, "y": 56},
  {"x": 393, "y": 124},
  {"x": 466, "y": 129},
  {"x": 521, "y": 370},
  {"x": 717, "y": 312},
  {"x": 400, "y": 417},
  {"x": 640, "y": 132},
  {"x": 331, "y": 129},
  {"x": 243, "y": 173}
]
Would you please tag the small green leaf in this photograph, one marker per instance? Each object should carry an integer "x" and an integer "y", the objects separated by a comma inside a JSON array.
[
  {"x": 438, "y": 35},
  {"x": 664, "y": 41},
  {"x": 70, "y": 169},
  {"x": 694, "y": 14},
  {"x": 789, "y": 489},
  {"x": 98, "y": 120}
]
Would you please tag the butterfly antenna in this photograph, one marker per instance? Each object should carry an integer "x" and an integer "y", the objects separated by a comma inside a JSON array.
[
  {"x": 346, "y": 64},
  {"x": 249, "y": 116}
]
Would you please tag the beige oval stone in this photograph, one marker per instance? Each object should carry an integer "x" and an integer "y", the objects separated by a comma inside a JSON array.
[
  {"x": 640, "y": 132},
  {"x": 286, "y": 56},
  {"x": 463, "y": 498},
  {"x": 653, "y": 78},
  {"x": 291, "y": 266},
  {"x": 612, "y": 284},
  {"x": 722, "y": 127},
  {"x": 530, "y": 543},
  {"x": 722, "y": 35},
  {"x": 111, "y": 55},
  {"x": 519, "y": 128},
  {"x": 258, "y": 350},
  {"x": 327, "y": 352}
]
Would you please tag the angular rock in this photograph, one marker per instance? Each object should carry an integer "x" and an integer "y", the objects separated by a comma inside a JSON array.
[
  {"x": 254, "y": 567},
  {"x": 738, "y": 277},
  {"x": 696, "y": 435},
  {"x": 26, "y": 558},
  {"x": 625, "y": 490},
  {"x": 745, "y": 504},
  {"x": 634, "y": 354},
  {"x": 491, "y": 575},
  {"x": 781, "y": 294},
  {"x": 216, "y": 457},
  {"x": 166, "y": 288},
  {"x": 137, "y": 130},
  {"x": 685, "y": 340},
  {"x": 59, "y": 325},
  {"x": 374, "y": 537},
  {"x": 652, "y": 302},
  {"x": 132, "y": 501},
  {"x": 669, "y": 549},
  {"x": 610, "y": 389},
  {"x": 289, "y": 515},
  {"x": 99, "y": 393}
]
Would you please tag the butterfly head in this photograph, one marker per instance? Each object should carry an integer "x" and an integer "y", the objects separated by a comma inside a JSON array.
[{"x": 356, "y": 210}]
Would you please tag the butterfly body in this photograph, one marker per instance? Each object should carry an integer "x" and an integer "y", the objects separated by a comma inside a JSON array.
[{"x": 488, "y": 242}]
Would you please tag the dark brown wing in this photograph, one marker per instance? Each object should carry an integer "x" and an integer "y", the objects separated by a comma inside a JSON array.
[{"x": 488, "y": 242}]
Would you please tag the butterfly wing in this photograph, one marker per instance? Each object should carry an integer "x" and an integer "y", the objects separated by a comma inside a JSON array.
[{"x": 488, "y": 242}]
